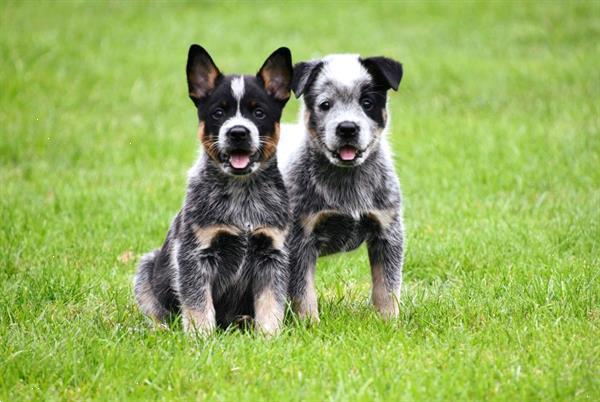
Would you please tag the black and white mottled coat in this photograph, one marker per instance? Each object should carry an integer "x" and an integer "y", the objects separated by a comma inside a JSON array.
[
  {"x": 224, "y": 255},
  {"x": 340, "y": 176}
]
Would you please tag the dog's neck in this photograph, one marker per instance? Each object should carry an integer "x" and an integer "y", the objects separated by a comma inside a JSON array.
[{"x": 351, "y": 188}]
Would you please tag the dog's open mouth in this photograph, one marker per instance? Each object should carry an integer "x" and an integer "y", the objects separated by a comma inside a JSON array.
[
  {"x": 240, "y": 160},
  {"x": 348, "y": 153}
]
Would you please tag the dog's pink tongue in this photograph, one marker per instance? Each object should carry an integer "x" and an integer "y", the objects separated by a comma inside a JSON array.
[
  {"x": 239, "y": 160},
  {"x": 347, "y": 153}
]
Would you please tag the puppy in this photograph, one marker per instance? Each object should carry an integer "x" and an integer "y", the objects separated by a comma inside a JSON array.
[
  {"x": 340, "y": 177},
  {"x": 224, "y": 255}
]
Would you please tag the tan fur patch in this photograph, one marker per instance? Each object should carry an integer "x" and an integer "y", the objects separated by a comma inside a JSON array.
[
  {"x": 312, "y": 132},
  {"x": 147, "y": 302},
  {"x": 311, "y": 221},
  {"x": 384, "y": 114},
  {"x": 200, "y": 322},
  {"x": 384, "y": 217},
  {"x": 210, "y": 146},
  {"x": 201, "y": 131},
  {"x": 268, "y": 312},
  {"x": 307, "y": 305},
  {"x": 205, "y": 235},
  {"x": 277, "y": 236},
  {"x": 270, "y": 145},
  {"x": 385, "y": 301}
]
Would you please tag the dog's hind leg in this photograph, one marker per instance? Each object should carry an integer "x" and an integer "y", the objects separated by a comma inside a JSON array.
[
  {"x": 386, "y": 253},
  {"x": 144, "y": 294}
]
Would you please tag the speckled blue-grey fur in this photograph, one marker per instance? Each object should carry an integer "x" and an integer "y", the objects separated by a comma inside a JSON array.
[
  {"x": 224, "y": 256},
  {"x": 339, "y": 198}
]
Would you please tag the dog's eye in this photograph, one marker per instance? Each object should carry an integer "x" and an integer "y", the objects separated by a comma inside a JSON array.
[
  {"x": 218, "y": 114},
  {"x": 259, "y": 113},
  {"x": 366, "y": 104},
  {"x": 325, "y": 106}
]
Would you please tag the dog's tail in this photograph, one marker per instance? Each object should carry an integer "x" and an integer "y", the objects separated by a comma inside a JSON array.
[{"x": 144, "y": 294}]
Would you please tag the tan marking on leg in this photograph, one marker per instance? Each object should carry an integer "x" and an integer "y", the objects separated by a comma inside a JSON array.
[
  {"x": 206, "y": 234},
  {"x": 384, "y": 217},
  {"x": 311, "y": 221},
  {"x": 384, "y": 300},
  {"x": 276, "y": 235},
  {"x": 144, "y": 295},
  {"x": 307, "y": 306},
  {"x": 200, "y": 321},
  {"x": 268, "y": 312}
]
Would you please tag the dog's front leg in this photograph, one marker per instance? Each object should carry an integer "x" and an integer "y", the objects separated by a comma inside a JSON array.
[
  {"x": 303, "y": 259},
  {"x": 195, "y": 290},
  {"x": 269, "y": 261},
  {"x": 386, "y": 253}
]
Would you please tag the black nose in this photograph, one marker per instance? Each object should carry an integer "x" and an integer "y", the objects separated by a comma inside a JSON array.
[
  {"x": 238, "y": 133},
  {"x": 347, "y": 129}
]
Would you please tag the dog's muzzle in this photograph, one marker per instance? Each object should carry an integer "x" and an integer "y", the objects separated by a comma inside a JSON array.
[
  {"x": 239, "y": 152},
  {"x": 347, "y": 134}
]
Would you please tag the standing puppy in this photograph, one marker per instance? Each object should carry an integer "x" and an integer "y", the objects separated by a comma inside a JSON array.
[
  {"x": 340, "y": 176},
  {"x": 224, "y": 255}
]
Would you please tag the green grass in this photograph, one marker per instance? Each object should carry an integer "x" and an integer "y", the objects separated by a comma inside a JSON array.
[{"x": 496, "y": 132}]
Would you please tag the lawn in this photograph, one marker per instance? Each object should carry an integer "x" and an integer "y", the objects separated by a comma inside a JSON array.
[{"x": 496, "y": 132}]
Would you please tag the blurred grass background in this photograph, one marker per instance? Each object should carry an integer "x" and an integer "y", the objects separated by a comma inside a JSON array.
[{"x": 495, "y": 129}]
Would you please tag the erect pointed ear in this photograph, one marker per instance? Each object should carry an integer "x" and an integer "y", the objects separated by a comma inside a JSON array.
[
  {"x": 386, "y": 71},
  {"x": 276, "y": 74},
  {"x": 202, "y": 74},
  {"x": 304, "y": 74}
]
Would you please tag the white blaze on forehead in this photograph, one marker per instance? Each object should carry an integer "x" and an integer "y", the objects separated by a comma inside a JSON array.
[
  {"x": 344, "y": 70},
  {"x": 237, "y": 88}
]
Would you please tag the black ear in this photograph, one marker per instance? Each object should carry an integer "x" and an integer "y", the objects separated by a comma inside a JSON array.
[
  {"x": 202, "y": 74},
  {"x": 276, "y": 74},
  {"x": 304, "y": 75},
  {"x": 387, "y": 71}
]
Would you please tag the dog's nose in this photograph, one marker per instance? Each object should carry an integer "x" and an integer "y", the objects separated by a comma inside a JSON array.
[
  {"x": 238, "y": 133},
  {"x": 347, "y": 129}
]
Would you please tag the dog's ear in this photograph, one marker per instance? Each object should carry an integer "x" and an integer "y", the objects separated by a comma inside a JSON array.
[
  {"x": 276, "y": 74},
  {"x": 202, "y": 74},
  {"x": 304, "y": 74},
  {"x": 386, "y": 71}
]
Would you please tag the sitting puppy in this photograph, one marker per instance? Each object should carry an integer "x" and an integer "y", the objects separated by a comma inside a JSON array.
[
  {"x": 340, "y": 176},
  {"x": 224, "y": 255}
]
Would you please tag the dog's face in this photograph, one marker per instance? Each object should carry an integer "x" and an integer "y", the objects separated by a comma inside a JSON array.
[
  {"x": 345, "y": 98},
  {"x": 239, "y": 114}
]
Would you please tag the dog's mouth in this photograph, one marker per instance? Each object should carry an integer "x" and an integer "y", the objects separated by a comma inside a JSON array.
[
  {"x": 347, "y": 153},
  {"x": 240, "y": 161}
]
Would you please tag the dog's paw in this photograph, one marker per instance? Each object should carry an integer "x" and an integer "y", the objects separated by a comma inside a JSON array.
[
  {"x": 268, "y": 327},
  {"x": 387, "y": 307},
  {"x": 309, "y": 314},
  {"x": 198, "y": 323}
]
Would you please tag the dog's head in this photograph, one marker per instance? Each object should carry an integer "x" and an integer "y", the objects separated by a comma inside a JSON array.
[
  {"x": 239, "y": 114},
  {"x": 345, "y": 103}
]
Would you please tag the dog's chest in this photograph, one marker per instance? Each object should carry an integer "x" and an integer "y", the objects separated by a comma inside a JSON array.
[{"x": 334, "y": 231}]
